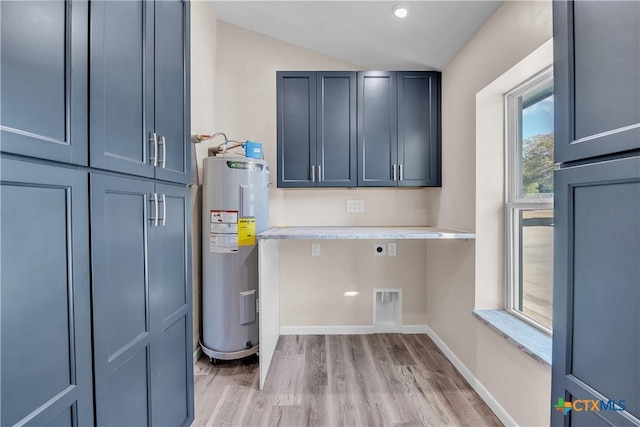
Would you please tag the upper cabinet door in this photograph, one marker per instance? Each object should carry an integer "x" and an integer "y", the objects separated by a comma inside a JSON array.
[
  {"x": 44, "y": 79},
  {"x": 172, "y": 90},
  {"x": 336, "y": 129},
  {"x": 45, "y": 294},
  {"x": 377, "y": 129},
  {"x": 296, "y": 98},
  {"x": 418, "y": 129},
  {"x": 596, "y": 80},
  {"x": 121, "y": 85}
]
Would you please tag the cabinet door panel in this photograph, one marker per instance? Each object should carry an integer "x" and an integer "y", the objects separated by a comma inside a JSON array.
[
  {"x": 121, "y": 302},
  {"x": 597, "y": 284},
  {"x": 46, "y": 336},
  {"x": 170, "y": 291},
  {"x": 172, "y": 89},
  {"x": 597, "y": 63},
  {"x": 121, "y": 108},
  {"x": 44, "y": 79},
  {"x": 377, "y": 129},
  {"x": 296, "y": 98},
  {"x": 336, "y": 127},
  {"x": 418, "y": 129}
]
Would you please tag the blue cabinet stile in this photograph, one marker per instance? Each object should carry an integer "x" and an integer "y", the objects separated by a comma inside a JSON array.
[{"x": 96, "y": 217}]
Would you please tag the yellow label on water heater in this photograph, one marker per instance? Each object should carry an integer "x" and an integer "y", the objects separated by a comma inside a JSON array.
[{"x": 246, "y": 231}]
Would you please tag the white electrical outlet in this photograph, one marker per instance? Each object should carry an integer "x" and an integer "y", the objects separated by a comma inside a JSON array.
[
  {"x": 315, "y": 249},
  {"x": 379, "y": 249},
  {"x": 355, "y": 205},
  {"x": 392, "y": 249}
]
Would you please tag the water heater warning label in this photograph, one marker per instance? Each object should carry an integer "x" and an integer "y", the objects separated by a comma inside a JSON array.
[
  {"x": 247, "y": 232},
  {"x": 223, "y": 237},
  {"x": 223, "y": 243},
  {"x": 224, "y": 217}
]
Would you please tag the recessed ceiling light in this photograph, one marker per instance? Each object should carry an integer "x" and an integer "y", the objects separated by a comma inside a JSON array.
[
  {"x": 399, "y": 11},
  {"x": 351, "y": 293}
]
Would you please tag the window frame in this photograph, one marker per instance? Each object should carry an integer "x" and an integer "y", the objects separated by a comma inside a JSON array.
[{"x": 514, "y": 204}]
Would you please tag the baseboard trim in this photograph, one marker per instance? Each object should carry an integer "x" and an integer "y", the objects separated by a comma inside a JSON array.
[
  {"x": 484, "y": 394},
  {"x": 345, "y": 330},
  {"x": 326, "y": 330},
  {"x": 414, "y": 329},
  {"x": 196, "y": 354}
]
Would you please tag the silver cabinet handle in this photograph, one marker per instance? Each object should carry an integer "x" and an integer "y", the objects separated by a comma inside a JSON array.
[
  {"x": 164, "y": 152},
  {"x": 154, "y": 140},
  {"x": 164, "y": 210},
  {"x": 154, "y": 219},
  {"x": 319, "y": 173},
  {"x": 313, "y": 173},
  {"x": 401, "y": 177},
  {"x": 394, "y": 172}
]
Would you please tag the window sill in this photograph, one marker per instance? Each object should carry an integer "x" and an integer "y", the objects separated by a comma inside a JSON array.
[{"x": 527, "y": 338}]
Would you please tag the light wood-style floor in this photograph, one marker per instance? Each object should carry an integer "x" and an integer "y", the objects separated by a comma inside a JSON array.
[{"x": 341, "y": 380}]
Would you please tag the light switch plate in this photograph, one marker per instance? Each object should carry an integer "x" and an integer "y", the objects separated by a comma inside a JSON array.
[{"x": 315, "y": 249}]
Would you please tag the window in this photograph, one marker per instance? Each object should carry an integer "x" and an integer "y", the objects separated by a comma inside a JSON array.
[{"x": 529, "y": 207}]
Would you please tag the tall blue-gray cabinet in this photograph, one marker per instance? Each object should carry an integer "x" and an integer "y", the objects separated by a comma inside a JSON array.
[
  {"x": 139, "y": 97},
  {"x": 316, "y": 129},
  {"x": 96, "y": 234},
  {"x": 44, "y": 79},
  {"x": 45, "y": 296},
  {"x": 399, "y": 137},
  {"x": 142, "y": 322},
  {"x": 596, "y": 321}
]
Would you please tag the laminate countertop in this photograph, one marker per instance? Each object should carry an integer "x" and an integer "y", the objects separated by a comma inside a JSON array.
[{"x": 354, "y": 233}]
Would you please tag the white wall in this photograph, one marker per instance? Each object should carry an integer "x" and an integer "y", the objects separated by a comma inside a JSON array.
[
  {"x": 518, "y": 383},
  {"x": 246, "y": 109},
  {"x": 203, "y": 69}
]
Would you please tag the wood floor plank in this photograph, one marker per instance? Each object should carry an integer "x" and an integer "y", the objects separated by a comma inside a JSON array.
[{"x": 341, "y": 380}]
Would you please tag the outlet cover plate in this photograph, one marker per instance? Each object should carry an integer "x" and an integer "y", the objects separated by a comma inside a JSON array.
[
  {"x": 315, "y": 249},
  {"x": 392, "y": 249},
  {"x": 355, "y": 205},
  {"x": 380, "y": 249}
]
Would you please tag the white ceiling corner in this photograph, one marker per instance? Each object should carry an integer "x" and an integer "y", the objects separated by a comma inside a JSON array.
[{"x": 365, "y": 33}]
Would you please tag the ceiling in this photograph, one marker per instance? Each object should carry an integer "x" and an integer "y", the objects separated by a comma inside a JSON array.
[{"x": 365, "y": 33}]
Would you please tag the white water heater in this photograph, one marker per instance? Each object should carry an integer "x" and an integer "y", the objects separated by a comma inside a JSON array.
[{"x": 235, "y": 202}]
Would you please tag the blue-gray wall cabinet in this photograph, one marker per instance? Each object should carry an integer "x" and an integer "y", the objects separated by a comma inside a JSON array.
[
  {"x": 399, "y": 141},
  {"x": 45, "y": 293},
  {"x": 141, "y": 302},
  {"x": 336, "y": 129},
  {"x": 296, "y": 128},
  {"x": 44, "y": 102},
  {"x": 419, "y": 128},
  {"x": 377, "y": 129},
  {"x": 139, "y": 97},
  {"x": 316, "y": 129},
  {"x": 596, "y": 57}
]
